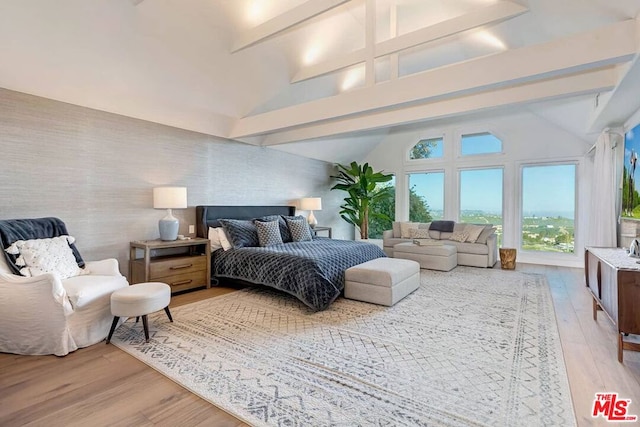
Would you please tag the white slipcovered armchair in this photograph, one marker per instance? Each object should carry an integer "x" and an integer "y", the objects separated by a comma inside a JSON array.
[{"x": 46, "y": 315}]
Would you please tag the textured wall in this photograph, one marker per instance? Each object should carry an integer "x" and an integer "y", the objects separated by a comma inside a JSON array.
[{"x": 96, "y": 171}]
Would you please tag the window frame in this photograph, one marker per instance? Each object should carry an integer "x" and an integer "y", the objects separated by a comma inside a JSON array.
[{"x": 577, "y": 244}]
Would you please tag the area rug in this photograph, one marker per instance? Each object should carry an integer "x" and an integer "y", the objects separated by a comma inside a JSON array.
[{"x": 471, "y": 347}]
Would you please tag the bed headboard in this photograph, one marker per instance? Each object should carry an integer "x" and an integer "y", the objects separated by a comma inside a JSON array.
[{"x": 208, "y": 216}]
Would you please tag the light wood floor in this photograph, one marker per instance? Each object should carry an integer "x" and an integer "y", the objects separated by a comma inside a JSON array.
[{"x": 101, "y": 385}]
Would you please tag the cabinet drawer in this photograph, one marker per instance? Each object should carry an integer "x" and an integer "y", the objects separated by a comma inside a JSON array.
[
  {"x": 183, "y": 281},
  {"x": 174, "y": 266}
]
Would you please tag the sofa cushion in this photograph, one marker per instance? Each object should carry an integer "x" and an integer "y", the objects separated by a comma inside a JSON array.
[
  {"x": 469, "y": 248},
  {"x": 394, "y": 241},
  {"x": 459, "y": 236}
]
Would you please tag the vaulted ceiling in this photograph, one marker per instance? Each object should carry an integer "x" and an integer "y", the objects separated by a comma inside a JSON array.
[{"x": 327, "y": 78}]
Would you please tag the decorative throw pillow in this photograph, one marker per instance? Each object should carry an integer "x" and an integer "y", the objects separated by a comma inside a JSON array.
[
  {"x": 419, "y": 233},
  {"x": 41, "y": 256},
  {"x": 268, "y": 233},
  {"x": 459, "y": 236},
  {"x": 285, "y": 234},
  {"x": 405, "y": 227},
  {"x": 474, "y": 232},
  {"x": 488, "y": 231},
  {"x": 299, "y": 229},
  {"x": 241, "y": 233}
]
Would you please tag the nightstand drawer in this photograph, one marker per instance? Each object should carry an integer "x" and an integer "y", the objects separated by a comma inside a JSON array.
[
  {"x": 177, "y": 265},
  {"x": 186, "y": 280}
]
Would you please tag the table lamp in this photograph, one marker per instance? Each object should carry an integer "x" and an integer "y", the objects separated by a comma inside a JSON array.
[
  {"x": 311, "y": 204},
  {"x": 169, "y": 198}
]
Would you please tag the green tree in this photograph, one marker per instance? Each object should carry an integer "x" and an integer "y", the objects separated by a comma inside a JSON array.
[
  {"x": 419, "y": 210},
  {"x": 423, "y": 149}
]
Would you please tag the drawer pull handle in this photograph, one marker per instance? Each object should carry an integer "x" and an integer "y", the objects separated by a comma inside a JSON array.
[
  {"x": 178, "y": 267},
  {"x": 182, "y": 282}
]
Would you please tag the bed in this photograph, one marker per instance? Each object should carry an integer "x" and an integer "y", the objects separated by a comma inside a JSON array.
[{"x": 312, "y": 271}]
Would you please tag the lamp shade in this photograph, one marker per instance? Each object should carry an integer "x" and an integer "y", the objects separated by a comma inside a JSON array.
[
  {"x": 311, "y": 204},
  {"x": 170, "y": 197}
]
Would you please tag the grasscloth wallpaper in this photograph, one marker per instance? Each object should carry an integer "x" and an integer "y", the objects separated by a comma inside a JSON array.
[{"x": 96, "y": 171}]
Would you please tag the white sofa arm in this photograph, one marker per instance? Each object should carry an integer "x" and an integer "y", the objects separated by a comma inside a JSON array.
[
  {"x": 387, "y": 234},
  {"x": 492, "y": 243},
  {"x": 105, "y": 267}
]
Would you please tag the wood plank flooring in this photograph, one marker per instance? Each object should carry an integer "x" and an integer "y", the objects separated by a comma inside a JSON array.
[{"x": 103, "y": 386}]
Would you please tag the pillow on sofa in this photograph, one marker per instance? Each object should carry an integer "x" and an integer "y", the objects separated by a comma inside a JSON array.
[
  {"x": 41, "y": 256},
  {"x": 459, "y": 236},
  {"x": 474, "y": 232},
  {"x": 405, "y": 227},
  {"x": 419, "y": 233},
  {"x": 488, "y": 231}
]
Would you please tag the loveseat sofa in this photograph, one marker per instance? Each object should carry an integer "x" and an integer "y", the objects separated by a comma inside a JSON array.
[{"x": 476, "y": 244}]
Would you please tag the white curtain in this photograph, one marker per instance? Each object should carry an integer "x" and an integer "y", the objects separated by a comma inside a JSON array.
[{"x": 603, "y": 218}]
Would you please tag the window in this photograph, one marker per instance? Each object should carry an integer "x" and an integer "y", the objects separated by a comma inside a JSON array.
[
  {"x": 480, "y": 143},
  {"x": 427, "y": 149},
  {"x": 548, "y": 208},
  {"x": 386, "y": 206},
  {"x": 481, "y": 197},
  {"x": 426, "y": 196}
]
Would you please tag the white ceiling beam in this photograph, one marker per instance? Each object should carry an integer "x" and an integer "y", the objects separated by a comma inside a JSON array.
[
  {"x": 573, "y": 85},
  {"x": 607, "y": 45},
  {"x": 491, "y": 14},
  {"x": 284, "y": 21}
]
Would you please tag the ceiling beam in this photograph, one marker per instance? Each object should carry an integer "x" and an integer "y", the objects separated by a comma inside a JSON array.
[
  {"x": 572, "y": 85},
  {"x": 284, "y": 21},
  {"x": 607, "y": 45},
  {"x": 491, "y": 14}
]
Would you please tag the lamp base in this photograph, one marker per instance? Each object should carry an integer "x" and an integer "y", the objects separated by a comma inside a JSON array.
[
  {"x": 312, "y": 220},
  {"x": 168, "y": 227}
]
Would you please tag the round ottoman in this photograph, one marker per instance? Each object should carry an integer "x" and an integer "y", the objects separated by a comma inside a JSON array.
[{"x": 139, "y": 300}]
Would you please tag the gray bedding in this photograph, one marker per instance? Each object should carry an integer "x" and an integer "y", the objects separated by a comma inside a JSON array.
[{"x": 313, "y": 271}]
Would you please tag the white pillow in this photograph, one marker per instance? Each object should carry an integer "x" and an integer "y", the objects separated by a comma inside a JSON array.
[
  {"x": 214, "y": 238},
  {"x": 41, "y": 256},
  {"x": 224, "y": 239}
]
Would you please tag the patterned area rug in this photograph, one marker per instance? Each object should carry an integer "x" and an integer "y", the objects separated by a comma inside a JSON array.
[{"x": 471, "y": 347}]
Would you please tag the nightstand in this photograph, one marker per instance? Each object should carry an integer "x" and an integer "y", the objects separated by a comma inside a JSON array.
[
  {"x": 181, "y": 264},
  {"x": 319, "y": 228}
]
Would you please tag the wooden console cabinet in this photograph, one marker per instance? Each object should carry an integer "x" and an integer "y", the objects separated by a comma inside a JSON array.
[
  {"x": 181, "y": 264},
  {"x": 613, "y": 279}
]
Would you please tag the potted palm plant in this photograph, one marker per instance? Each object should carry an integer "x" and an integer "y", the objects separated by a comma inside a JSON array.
[{"x": 360, "y": 182}]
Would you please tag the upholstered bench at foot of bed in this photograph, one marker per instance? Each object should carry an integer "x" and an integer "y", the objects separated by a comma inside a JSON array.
[
  {"x": 442, "y": 257},
  {"x": 383, "y": 281}
]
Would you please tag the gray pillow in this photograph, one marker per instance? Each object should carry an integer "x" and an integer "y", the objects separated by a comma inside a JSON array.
[
  {"x": 268, "y": 233},
  {"x": 284, "y": 230},
  {"x": 242, "y": 233},
  {"x": 299, "y": 228},
  {"x": 488, "y": 231}
]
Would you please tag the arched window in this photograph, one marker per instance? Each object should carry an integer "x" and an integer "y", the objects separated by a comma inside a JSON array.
[
  {"x": 480, "y": 143},
  {"x": 428, "y": 148}
]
